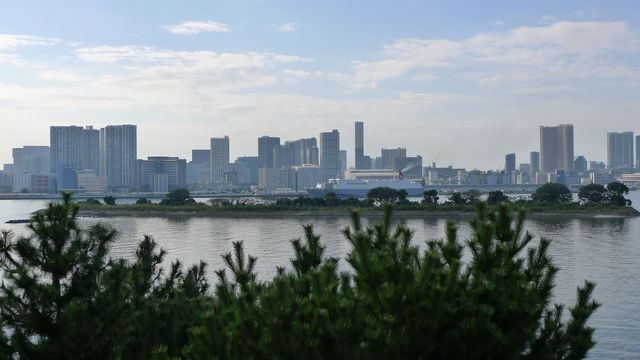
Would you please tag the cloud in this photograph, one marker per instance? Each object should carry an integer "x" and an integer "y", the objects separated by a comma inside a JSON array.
[
  {"x": 289, "y": 27},
  {"x": 564, "y": 49},
  {"x": 61, "y": 75},
  {"x": 545, "y": 89},
  {"x": 8, "y": 41},
  {"x": 197, "y": 27}
]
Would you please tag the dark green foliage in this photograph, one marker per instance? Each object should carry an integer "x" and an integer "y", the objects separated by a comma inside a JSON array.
[
  {"x": 592, "y": 193},
  {"x": 615, "y": 194},
  {"x": 143, "y": 201},
  {"x": 552, "y": 193},
  {"x": 471, "y": 196},
  {"x": 430, "y": 197},
  {"x": 178, "y": 197},
  {"x": 496, "y": 197},
  {"x": 381, "y": 195},
  {"x": 457, "y": 199},
  {"x": 109, "y": 200},
  {"x": 397, "y": 302},
  {"x": 91, "y": 201}
]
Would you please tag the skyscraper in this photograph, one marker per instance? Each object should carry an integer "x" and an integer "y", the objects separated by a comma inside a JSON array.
[
  {"x": 343, "y": 163},
  {"x": 534, "y": 160},
  {"x": 305, "y": 151},
  {"x": 31, "y": 160},
  {"x": 265, "y": 150},
  {"x": 509, "y": 164},
  {"x": 580, "y": 164},
  {"x": 362, "y": 162},
  {"x": 638, "y": 152},
  {"x": 330, "y": 154},
  {"x": 389, "y": 157},
  {"x": 118, "y": 155},
  {"x": 556, "y": 148},
  {"x": 201, "y": 156},
  {"x": 219, "y": 158},
  {"x": 74, "y": 147},
  {"x": 620, "y": 150}
]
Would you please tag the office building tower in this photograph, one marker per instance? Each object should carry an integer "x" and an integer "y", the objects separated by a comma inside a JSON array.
[
  {"x": 330, "y": 155},
  {"x": 252, "y": 163},
  {"x": 362, "y": 161},
  {"x": 596, "y": 165},
  {"x": 201, "y": 156},
  {"x": 343, "y": 163},
  {"x": 265, "y": 150},
  {"x": 31, "y": 160},
  {"x": 638, "y": 152},
  {"x": 509, "y": 164},
  {"x": 283, "y": 155},
  {"x": 160, "y": 174},
  {"x": 534, "y": 162},
  {"x": 580, "y": 164},
  {"x": 74, "y": 147},
  {"x": 118, "y": 156},
  {"x": 389, "y": 157},
  {"x": 556, "y": 148},
  {"x": 219, "y": 159},
  {"x": 409, "y": 166},
  {"x": 620, "y": 150}
]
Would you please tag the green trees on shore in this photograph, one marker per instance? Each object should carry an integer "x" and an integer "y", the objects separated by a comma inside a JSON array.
[{"x": 63, "y": 297}]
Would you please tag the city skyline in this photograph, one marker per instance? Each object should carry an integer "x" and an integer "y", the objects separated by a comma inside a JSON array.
[{"x": 292, "y": 70}]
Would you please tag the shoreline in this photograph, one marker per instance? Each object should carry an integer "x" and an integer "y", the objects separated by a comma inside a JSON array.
[{"x": 404, "y": 214}]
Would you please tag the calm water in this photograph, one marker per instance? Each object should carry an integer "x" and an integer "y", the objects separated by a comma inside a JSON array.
[{"x": 604, "y": 250}]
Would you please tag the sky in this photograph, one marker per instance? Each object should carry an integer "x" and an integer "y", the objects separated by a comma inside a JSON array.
[{"x": 460, "y": 83}]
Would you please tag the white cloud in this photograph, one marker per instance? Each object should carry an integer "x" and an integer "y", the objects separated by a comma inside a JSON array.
[
  {"x": 545, "y": 89},
  {"x": 61, "y": 75},
  {"x": 564, "y": 49},
  {"x": 8, "y": 41},
  {"x": 197, "y": 27},
  {"x": 289, "y": 27}
]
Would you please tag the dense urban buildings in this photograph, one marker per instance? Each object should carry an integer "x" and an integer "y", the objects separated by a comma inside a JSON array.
[
  {"x": 509, "y": 164},
  {"x": 219, "y": 158},
  {"x": 556, "y": 148},
  {"x": 534, "y": 163},
  {"x": 118, "y": 155},
  {"x": 31, "y": 160},
  {"x": 620, "y": 150},
  {"x": 160, "y": 174},
  {"x": 266, "y": 144}
]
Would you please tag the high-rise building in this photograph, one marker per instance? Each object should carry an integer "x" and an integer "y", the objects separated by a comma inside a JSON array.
[
  {"x": 556, "y": 148},
  {"x": 409, "y": 166},
  {"x": 638, "y": 152},
  {"x": 343, "y": 163},
  {"x": 219, "y": 158},
  {"x": 31, "y": 160},
  {"x": 118, "y": 156},
  {"x": 580, "y": 164},
  {"x": 509, "y": 164},
  {"x": 330, "y": 155},
  {"x": 283, "y": 155},
  {"x": 305, "y": 151},
  {"x": 534, "y": 161},
  {"x": 160, "y": 174},
  {"x": 74, "y": 147},
  {"x": 265, "y": 150},
  {"x": 253, "y": 164},
  {"x": 620, "y": 150},
  {"x": 389, "y": 157},
  {"x": 201, "y": 156},
  {"x": 362, "y": 162}
]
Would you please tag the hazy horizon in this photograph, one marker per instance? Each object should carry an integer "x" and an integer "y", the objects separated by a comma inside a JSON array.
[{"x": 451, "y": 81}]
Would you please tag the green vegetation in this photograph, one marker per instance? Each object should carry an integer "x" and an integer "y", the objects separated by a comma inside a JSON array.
[
  {"x": 109, "y": 200},
  {"x": 64, "y": 298},
  {"x": 552, "y": 193},
  {"x": 178, "y": 197}
]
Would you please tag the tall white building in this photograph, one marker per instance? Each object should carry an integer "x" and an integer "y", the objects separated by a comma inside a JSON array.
[
  {"x": 620, "y": 150},
  {"x": 219, "y": 158},
  {"x": 118, "y": 155},
  {"x": 73, "y": 146},
  {"x": 556, "y": 148},
  {"x": 330, "y": 155}
]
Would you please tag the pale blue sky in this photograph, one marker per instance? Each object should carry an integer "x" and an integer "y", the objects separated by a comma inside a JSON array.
[{"x": 458, "y": 82}]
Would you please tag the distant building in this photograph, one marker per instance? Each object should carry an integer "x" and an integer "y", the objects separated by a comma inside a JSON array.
[
  {"x": 118, "y": 156},
  {"x": 409, "y": 166},
  {"x": 283, "y": 155},
  {"x": 21, "y": 183},
  {"x": 638, "y": 152},
  {"x": 361, "y": 161},
  {"x": 596, "y": 166},
  {"x": 89, "y": 181},
  {"x": 343, "y": 163},
  {"x": 509, "y": 164},
  {"x": 219, "y": 158},
  {"x": 31, "y": 160},
  {"x": 307, "y": 176},
  {"x": 534, "y": 161},
  {"x": 620, "y": 150},
  {"x": 72, "y": 148},
  {"x": 580, "y": 164},
  {"x": 160, "y": 174},
  {"x": 201, "y": 156},
  {"x": 305, "y": 151},
  {"x": 252, "y": 163},
  {"x": 271, "y": 179},
  {"x": 265, "y": 150},
  {"x": 556, "y": 148},
  {"x": 389, "y": 157},
  {"x": 330, "y": 155}
]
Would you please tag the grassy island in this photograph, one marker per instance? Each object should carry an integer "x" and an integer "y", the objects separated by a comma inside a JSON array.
[{"x": 551, "y": 199}]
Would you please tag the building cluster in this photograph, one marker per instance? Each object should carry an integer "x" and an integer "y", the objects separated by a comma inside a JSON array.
[{"x": 88, "y": 160}]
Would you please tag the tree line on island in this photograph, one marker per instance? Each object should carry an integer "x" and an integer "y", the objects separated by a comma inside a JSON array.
[
  {"x": 64, "y": 297},
  {"x": 550, "y": 195}
]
